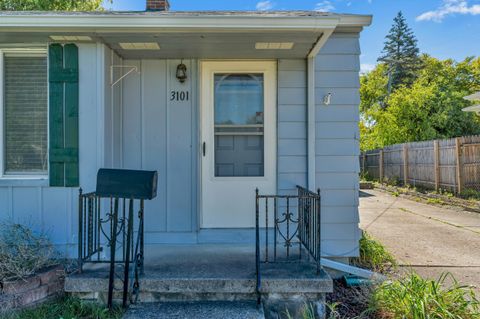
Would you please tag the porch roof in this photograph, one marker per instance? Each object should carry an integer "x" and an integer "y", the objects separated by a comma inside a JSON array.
[{"x": 192, "y": 34}]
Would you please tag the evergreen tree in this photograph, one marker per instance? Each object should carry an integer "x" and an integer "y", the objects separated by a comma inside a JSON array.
[{"x": 400, "y": 54}]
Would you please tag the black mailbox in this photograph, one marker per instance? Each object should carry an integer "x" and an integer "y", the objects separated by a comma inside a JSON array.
[{"x": 129, "y": 184}]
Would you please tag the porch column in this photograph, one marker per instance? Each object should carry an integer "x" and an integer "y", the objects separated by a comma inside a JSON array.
[{"x": 311, "y": 125}]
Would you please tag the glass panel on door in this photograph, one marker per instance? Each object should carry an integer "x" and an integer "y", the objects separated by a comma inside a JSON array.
[{"x": 239, "y": 125}]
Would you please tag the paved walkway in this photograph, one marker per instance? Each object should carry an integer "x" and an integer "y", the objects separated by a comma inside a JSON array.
[{"x": 430, "y": 238}]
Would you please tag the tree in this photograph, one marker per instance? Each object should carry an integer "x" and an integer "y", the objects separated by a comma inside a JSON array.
[
  {"x": 430, "y": 108},
  {"x": 400, "y": 54},
  {"x": 51, "y": 5}
]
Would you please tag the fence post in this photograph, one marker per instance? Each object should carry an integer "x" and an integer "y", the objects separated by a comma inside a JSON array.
[
  {"x": 380, "y": 166},
  {"x": 436, "y": 164},
  {"x": 459, "y": 166},
  {"x": 364, "y": 159},
  {"x": 405, "y": 164}
]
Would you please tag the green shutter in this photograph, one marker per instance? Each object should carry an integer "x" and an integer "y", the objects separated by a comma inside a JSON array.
[{"x": 63, "y": 78}]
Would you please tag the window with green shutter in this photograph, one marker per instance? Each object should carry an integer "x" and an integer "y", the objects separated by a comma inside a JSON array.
[
  {"x": 25, "y": 112},
  {"x": 63, "y": 93}
]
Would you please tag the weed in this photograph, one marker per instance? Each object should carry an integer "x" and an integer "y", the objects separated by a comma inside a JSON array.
[
  {"x": 415, "y": 297},
  {"x": 374, "y": 256},
  {"x": 308, "y": 312},
  {"x": 435, "y": 201},
  {"x": 470, "y": 194},
  {"x": 68, "y": 308}
]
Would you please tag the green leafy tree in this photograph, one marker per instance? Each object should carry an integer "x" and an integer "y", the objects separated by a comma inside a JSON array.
[
  {"x": 430, "y": 108},
  {"x": 51, "y": 5},
  {"x": 400, "y": 54}
]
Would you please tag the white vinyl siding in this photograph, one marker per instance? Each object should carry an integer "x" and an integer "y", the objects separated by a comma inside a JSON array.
[{"x": 25, "y": 114}]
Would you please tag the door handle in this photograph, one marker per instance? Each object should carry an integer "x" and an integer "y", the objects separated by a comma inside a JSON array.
[{"x": 204, "y": 148}]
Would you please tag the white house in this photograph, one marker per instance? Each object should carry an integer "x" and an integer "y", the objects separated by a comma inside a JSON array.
[{"x": 270, "y": 101}]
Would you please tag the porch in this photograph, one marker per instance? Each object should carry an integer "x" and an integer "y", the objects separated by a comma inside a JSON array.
[
  {"x": 207, "y": 272},
  {"x": 283, "y": 258}
]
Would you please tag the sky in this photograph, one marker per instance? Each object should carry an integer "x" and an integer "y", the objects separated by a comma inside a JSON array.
[{"x": 444, "y": 28}]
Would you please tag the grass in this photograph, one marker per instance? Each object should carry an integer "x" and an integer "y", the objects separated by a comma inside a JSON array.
[
  {"x": 307, "y": 312},
  {"x": 68, "y": 308},
  {"x": 418, "y": 298},
  {"x": 374, "y": 256}
]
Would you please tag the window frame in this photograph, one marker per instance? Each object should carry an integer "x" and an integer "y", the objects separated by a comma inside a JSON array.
[{"x": 20, "y": 52}]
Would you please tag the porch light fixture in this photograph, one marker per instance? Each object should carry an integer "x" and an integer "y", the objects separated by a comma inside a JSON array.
[
  {"x": 274, "y": 45},
  {"x": 70, "y": 38},
  {"x": 139, "y": 45},
  {"x": 182, "y": 72}
]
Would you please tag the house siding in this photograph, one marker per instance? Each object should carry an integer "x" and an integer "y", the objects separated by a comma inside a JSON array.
[
  {"x": 292, "y": 125},
  {"x": 53, "y": 210},
  {"x": 160, "y": 134},
  {"x": 134, "y": 125},
  {"x": 337, "y": 137},
  {"x": 337, "y": 142}
]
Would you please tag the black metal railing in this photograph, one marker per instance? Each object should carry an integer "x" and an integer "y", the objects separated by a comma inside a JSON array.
[
  {"x": 105, "y": 235},
  {"x": 295, "y": 228}
]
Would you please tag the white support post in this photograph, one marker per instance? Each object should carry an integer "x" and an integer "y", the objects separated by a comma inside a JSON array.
[
  {"x": 311, "y": 105},
  {"x": 311, "y": 134}
]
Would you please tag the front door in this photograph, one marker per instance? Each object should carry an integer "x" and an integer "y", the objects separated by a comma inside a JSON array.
[{"x": 238, "y": 110}]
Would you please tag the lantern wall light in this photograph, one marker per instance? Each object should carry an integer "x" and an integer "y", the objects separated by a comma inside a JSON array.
[{"x": 182, "y": 72}]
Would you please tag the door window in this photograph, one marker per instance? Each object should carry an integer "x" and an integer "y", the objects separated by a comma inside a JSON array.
[{"x": 239, "y": 124}]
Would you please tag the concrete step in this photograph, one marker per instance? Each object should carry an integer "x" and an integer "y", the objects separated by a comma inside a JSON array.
[{"x": 199, "y": 310}]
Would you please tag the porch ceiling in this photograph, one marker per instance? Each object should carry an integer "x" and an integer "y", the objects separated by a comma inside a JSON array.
[{"x": 203, "y": 45}]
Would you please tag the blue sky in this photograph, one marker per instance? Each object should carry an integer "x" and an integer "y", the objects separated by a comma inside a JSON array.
[{"x": 444, "y": 28}]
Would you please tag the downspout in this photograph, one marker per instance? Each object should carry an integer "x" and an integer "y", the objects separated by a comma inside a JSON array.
[{"x": 311, "y": 120}]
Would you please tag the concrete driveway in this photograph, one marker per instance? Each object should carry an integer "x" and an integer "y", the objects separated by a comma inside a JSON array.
[{"x": 430, "y": 239}]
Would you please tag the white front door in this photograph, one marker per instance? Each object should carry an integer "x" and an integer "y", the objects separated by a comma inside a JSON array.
[{"x": 238, "y": 112}]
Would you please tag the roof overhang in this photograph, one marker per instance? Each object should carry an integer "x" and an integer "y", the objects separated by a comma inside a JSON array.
[
  {"x": 473, "y": 97},
  {"x": 134, "y": 22},
  {"x": 186, "y": 34},
  {"x": 473, "y": 108}
]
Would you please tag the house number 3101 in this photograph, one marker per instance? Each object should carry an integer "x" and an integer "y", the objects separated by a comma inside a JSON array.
[{"x": 179, "y": 96}]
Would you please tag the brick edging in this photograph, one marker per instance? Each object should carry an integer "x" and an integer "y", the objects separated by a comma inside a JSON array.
[{"x": 32, "y": 290}]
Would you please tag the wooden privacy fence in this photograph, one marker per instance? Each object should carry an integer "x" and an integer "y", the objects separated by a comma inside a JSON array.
[{"x": 451, "y": 164}]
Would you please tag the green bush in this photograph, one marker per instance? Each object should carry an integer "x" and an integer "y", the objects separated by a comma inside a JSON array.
[
  {"x": 416, "y": 298},
  {"x": 374, "y": 256},
  {"x": 23, "y": 252},
  {"x": 68, "y": 308}
]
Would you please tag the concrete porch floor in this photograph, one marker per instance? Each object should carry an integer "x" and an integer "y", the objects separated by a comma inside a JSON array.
[{"x": 206, "y": 272}]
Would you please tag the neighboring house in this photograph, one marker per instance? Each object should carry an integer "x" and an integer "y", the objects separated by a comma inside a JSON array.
[
  {"x": 473, "y": 108},
  {"x": 88, "y": 90}
]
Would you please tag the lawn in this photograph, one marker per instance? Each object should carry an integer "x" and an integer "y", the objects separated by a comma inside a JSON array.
[{"x": 67, "y": 308}]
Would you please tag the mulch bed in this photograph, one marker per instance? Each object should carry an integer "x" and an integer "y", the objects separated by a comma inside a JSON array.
[{"x": 351, "y": 301}]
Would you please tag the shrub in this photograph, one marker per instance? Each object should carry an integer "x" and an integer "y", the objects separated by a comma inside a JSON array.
[
  {"x": 22, "y": 252},
  {"x": 374, "y": 256},
  {"x": 418, "y": 298}
]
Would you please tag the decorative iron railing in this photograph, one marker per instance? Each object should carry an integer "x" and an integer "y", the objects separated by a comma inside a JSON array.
[
  {"x": 296, "y": 226},
  {"x": 105, "y": 235}
]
